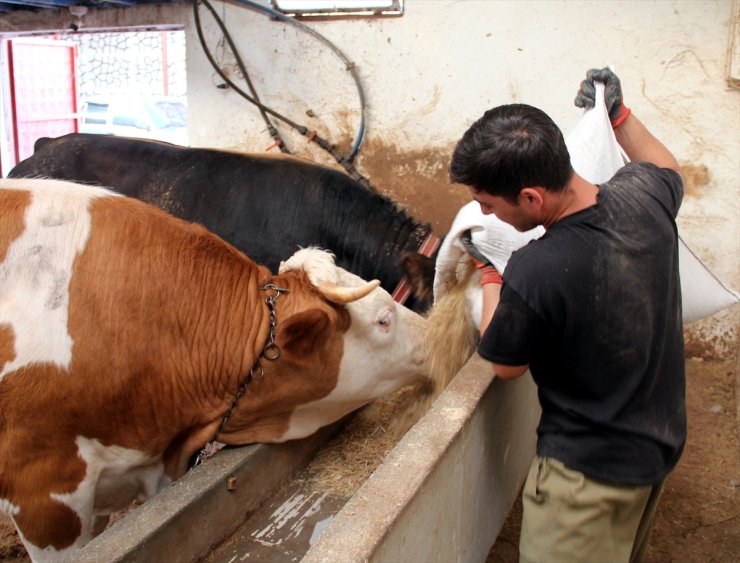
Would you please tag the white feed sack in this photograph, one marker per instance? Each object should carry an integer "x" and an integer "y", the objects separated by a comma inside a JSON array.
[{"x": 596, "y": 156}]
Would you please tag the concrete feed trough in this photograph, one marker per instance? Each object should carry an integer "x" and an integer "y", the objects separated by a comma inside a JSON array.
[{"x": 441, "y": 494}]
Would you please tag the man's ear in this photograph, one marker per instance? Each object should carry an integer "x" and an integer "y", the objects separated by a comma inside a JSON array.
[{"x": 531, "y": 197}]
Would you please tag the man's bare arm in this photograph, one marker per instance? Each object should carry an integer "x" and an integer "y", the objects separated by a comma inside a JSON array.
[
  {"x": 509, "y": 372},
  {"x": 641, "y": 145}
]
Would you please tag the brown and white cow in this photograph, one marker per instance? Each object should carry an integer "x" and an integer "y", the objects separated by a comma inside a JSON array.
[{"x": 125, "y": 334}]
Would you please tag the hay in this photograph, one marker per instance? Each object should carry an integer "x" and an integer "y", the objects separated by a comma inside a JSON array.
[
  {"x": 346, "y": 461},
  {"x": 451, "y": 336}
]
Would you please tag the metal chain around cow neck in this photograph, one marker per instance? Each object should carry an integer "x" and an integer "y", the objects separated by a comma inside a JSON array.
[{"x": 271, "y": 351}]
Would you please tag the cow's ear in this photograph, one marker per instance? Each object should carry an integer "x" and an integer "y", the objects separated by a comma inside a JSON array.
[
  {"x": 420, "y": 272},
  {"x": 304, "y": 332}
]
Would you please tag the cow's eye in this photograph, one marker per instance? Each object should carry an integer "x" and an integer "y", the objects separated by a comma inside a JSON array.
[{"x": 385, "y": 318}]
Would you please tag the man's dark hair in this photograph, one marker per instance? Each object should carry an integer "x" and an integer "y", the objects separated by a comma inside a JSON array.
[{"x": 512, "y": 147}]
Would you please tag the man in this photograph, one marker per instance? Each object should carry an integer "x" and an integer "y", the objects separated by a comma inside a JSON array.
[{"x": 593, "y": 310}]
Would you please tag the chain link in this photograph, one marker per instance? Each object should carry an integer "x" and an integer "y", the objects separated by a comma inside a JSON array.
[{"x": 271, "y": 351}]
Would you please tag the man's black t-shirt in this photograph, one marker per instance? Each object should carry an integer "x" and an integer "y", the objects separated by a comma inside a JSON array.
[{"x": 594, "y": 308}]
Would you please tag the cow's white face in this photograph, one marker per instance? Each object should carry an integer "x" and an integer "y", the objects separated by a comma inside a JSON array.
[{"x": 383, "y": 348}]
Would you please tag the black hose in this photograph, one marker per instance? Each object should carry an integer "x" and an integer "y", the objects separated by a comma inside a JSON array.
[
  {"x": 349, "y": 65},
  {"x": 345, "y": 162},
  {"x": 274, "y": 133}
]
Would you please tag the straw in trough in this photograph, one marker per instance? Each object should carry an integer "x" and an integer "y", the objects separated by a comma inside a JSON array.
[{"x": 348, "y": 459}]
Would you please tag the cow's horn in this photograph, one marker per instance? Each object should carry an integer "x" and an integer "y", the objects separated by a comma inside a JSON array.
[{"x": 340, "y": 294}]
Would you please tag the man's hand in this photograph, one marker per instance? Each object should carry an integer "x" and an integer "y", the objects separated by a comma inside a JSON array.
[
  {"x": 586, "y": 97},
  {"x": 488, "y": 272}
]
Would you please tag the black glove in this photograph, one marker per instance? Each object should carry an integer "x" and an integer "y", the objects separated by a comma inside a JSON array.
[
  {"x": 488, "y": 272},
  {"x": 466, "y": 238},
  {"x": 585, "y": 98}
]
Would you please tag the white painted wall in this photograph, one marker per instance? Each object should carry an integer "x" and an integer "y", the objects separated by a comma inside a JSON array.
[{"x": 430, "y": 73}]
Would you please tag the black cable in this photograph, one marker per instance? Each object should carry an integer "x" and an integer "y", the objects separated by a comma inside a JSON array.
[
  {"x": 274, "y": 133},
  {"x": 345, "y": 162},
  {"x": 349, "y": 65}
]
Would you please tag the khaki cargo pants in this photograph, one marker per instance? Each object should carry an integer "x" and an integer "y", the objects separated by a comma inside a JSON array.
[{"x": 569, "y": 518}]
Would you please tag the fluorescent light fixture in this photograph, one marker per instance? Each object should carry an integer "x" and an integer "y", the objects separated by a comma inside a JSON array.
[{"x": 324, "y": 8}]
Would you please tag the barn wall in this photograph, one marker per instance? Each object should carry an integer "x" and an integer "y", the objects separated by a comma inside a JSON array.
[{"x": 430, "y": 73}]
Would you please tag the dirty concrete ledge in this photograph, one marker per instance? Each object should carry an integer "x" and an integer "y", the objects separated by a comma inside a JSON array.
[
  {"x": 184, "y": 521},
  {"x": 443, "y": 493}
]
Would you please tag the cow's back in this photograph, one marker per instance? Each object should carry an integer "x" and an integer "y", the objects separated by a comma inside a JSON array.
[{"x": 82, "y": 267}]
